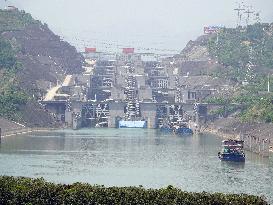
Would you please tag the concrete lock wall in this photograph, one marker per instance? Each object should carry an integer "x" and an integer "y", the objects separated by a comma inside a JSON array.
[
  {"x": 115, "y": 110},
  {"x": 148, "y": 112},
  {"x": 76, "y": 109},
  {"x": 68, "y": 118}
]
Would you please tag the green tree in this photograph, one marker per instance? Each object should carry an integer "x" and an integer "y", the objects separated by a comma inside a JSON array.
[{"x": 7, "y": 55}]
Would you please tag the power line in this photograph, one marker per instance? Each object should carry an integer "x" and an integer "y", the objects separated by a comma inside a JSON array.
[{"x": 109, "y": 44}]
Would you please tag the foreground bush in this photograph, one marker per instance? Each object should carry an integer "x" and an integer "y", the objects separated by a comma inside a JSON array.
[{"x": 36, "y": 191}]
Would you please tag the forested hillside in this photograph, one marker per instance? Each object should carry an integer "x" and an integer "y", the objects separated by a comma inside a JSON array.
[
  {"x": 11, "y": 96},
  {"x": 32, "y": 58},
  {"x": 241, "y": 46},
  {"x": 246, "y": 56}
]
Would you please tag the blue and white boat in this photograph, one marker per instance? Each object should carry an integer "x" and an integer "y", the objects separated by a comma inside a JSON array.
[
  {"x": 132, "y": 124},
  {"x": 232, "y": 150}
]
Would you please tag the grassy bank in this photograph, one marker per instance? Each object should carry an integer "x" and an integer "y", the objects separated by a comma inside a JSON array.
[{"x": 37, "y": 191}]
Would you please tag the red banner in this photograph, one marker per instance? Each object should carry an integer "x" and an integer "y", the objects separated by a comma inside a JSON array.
[
  {"x": 128, "y": 50},
  {"x": 90, "y": 50}
]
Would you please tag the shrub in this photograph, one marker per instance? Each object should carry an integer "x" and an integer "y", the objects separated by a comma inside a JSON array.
[{"x": 22, "y": 190}]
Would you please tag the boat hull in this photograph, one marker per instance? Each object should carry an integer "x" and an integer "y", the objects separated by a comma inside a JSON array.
[
  {"x": 232, "y": 157},
  {"x": 183, "y": 131},
  {"x": 166, "y": 129}
]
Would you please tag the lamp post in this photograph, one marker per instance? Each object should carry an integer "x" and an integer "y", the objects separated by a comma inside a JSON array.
[{"x": 268, "y": 84}]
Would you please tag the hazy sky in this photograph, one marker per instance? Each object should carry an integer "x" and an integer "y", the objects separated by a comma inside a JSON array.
[{"x": 161, "y": 24}]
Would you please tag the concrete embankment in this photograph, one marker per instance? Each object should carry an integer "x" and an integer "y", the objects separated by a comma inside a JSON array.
[
  {"x": 232, "y": 128},
  {"x": 25, "y": 131},
  {"x": 9, "y": 128},
  {"x": 218, "y": 132}
]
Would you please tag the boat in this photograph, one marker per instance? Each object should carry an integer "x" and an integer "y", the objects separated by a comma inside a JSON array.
[
  {"x": 232, "y": 150},
  {"x": 166, "y": 129},
  {"x": 132, "y": 124},
  {"x": 183, "y": 131},
  {"x": 165, "y": 126},
  {"x": 101, "y": 124}
]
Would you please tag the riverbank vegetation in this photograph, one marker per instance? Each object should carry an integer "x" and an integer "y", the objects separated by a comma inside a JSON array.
[
  {"x": 37, "y": 191},
  {"x": 10, "y": 101},
  {"x": 253, "y": 108}
]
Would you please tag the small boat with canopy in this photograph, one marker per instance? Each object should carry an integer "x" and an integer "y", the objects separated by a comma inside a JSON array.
[{"x": 232, "y": 150}]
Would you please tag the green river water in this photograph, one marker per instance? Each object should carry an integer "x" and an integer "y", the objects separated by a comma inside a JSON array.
[{"x": 133, "y": 157}]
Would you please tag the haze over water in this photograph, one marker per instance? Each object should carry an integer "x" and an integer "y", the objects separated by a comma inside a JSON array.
[
  {"x": 132, "y": 157},
  {"x": 150, "y": 26}
]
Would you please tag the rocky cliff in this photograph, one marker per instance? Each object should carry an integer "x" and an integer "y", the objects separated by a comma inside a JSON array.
[{"x": 195, "y": 59}]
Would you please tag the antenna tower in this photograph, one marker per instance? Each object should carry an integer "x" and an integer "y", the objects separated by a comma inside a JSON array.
[
  {"x": 239, "y": 10},
  {"x": 248, "y": 12},
  {"x": 257, "y": 17}
]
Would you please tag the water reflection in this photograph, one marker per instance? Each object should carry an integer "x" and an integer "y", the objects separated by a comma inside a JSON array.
[
  {"x": 38, "y": 142},
  {"x": 233, "y": 165},
  {"x": 258, "y": 159}
]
